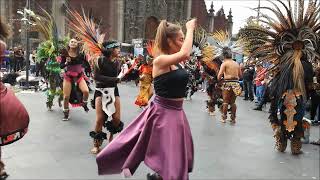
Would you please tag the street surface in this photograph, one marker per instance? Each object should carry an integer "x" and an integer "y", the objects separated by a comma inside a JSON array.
[{"x": 54, "y": 149}]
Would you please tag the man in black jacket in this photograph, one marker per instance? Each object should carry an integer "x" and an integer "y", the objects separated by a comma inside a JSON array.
[{"x": 248, "y": 73}]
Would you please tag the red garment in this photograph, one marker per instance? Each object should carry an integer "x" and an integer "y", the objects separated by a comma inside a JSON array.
[
  {"x": 14, "y": 118},
  {"x": 145, "y": 69},
  {"x": 260, "y": 77}
]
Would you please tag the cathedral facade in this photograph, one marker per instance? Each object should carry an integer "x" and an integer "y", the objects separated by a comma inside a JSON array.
[{"x": 123, "y": 20}]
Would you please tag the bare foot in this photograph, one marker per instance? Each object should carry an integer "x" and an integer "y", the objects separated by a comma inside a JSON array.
[{"x": 95, "y": 150}]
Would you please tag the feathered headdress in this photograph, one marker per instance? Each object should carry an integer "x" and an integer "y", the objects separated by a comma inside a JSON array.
[
  {"x": 288, "y": 37},
  {"x": 88, "y": 31},
  {"x": 221, "y": 40},
  {"x": 46, "y": 25},
  {"x": 48, "y": 50}
]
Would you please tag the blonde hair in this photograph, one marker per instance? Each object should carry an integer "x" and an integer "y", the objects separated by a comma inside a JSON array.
[{"x": 165, "y": 31}]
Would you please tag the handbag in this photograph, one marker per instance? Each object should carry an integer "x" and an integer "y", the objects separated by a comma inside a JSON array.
[{"x": 14, "y": 118}]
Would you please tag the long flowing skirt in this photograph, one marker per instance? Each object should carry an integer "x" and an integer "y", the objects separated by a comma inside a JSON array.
[{"x": 160, "y": 136}]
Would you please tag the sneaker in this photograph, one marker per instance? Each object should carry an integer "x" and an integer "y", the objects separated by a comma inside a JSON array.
[
  {"x": 65, "y": 115},
  {"x": 153, "y": 176},
  {"x": 85, "y": 107},
  {"x": 245, "y": 99},
  {"x": 259, "y": 108}
]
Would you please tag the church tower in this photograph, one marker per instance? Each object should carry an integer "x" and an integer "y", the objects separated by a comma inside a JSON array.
[
  {"x": 211, "y": 18},
  {"x": 230, "y": 23}
]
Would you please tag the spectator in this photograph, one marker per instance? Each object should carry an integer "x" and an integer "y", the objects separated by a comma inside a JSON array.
[
  {"x": 259, "y": 81},
  {"x": 32, "y": 59},
  {"x": 315, "y": 98},
  {"x": 248, "y": 74}
]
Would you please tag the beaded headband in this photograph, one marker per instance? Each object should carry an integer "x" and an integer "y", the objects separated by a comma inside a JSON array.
[{"x": 113, "y": 45}]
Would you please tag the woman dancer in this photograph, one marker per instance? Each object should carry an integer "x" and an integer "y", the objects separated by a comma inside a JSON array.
[
  {"x": 75, "y": 89},
  {"x": 160, "y": 136},
  {"x": 146, "y": 90},
  {"x": 106, "y": 97}
]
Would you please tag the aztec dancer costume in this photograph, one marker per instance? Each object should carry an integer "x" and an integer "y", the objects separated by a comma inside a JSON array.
[{"x": 291, "y": 44}]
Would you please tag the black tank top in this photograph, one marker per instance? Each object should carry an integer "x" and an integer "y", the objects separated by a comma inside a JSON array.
[{"x": 172, "y": 84}]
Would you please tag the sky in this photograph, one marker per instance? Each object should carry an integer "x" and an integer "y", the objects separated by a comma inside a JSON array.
[{"x": 240, "y": 10}]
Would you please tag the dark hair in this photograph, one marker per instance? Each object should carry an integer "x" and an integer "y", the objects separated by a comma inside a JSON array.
[
  {"x": 165, "y": 31},
  {"x": 107, "y": 52},
  {"x": 226, "y": 53},
  {"x": 304, "y": 57}
]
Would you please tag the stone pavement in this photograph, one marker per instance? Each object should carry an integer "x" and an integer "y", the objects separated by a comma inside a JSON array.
[{"x": 54, "y": 149}]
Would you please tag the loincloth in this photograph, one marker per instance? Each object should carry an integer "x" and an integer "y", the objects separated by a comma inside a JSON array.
[{"x": 233, "y": 85}]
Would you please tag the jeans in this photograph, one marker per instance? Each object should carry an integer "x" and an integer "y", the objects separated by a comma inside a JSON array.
[
  {"x": 248, "y": 89},
  {"x": 315, "y": 106},
  {"x": 260, "y": 92},
  {"x": 32, "y": 68}
]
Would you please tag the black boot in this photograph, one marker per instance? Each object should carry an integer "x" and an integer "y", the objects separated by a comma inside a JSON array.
[
  {"x": 153, "y": 176},
  {"x": 258, "y": 108},
  {"x": 85, "y": 106},
  {"x": 3, "y": 174},
  {"x": 65, "y": 115}
]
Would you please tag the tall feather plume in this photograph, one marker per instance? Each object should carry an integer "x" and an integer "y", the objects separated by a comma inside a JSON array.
[
  {"x": 221, "y": 39},
  {"x": 46, "y": 25},
  {"x": 200, "y": 37},
  {"x": 290, "y": 36},
  {"x": 88, "y": 31}
]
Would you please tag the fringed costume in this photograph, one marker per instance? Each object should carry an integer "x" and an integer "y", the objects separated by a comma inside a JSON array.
[
  {"x": 74, "y": 73},
  {"x": 211, "y": 69},
  {"x": 47, "y": 53},
  {"x": 145, "y": 71},
  {"x": 106, "y": 73},
  {"x": 146, "y": 90},
  {"x": 194, "y": 75},
  {"x": 221, "y": 42},
  {"x": 291, "y": 44}
]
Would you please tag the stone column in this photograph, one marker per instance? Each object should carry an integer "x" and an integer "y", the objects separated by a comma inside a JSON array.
[
  {"x": 189, "y": 7},
  {"x": 120, "y": 23},
  {"x": 59, "y": 16}
]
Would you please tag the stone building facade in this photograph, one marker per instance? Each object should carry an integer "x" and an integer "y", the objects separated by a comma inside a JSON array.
[{"x": 123, "y": 20}]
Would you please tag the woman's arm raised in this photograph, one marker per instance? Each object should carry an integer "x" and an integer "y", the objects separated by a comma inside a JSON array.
[{"x": 164, "y": 61}]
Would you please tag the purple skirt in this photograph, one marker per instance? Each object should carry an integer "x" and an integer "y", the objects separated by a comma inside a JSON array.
[{"x": 160, "y": 136}]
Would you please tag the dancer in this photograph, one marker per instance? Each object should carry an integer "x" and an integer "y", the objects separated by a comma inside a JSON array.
[
  {"x": 160, "y": 136},
  {"x": 291, "y": 44},
  {"x": 75, "y": 89},
  {"x": 48, "y": 53},
  {"x": 146, "y": 90},
  {"x": 211, "y": 70},
  {"x": 224, "y": 47},
  {"x": 104, "y": 56},
  {"x": 231, "y": 73},
  {"x": 14, "y": 118},
  {"x": 106, "y": 97}
]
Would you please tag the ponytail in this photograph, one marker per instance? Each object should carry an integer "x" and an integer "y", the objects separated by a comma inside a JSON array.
[{"x": 165, "y": 31}]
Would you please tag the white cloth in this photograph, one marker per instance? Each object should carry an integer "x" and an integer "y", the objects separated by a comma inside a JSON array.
[
  {"x": 108, "y": 99},
  {"x": 31, "y": 59},
  {"x": 124, "y": 70}
]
